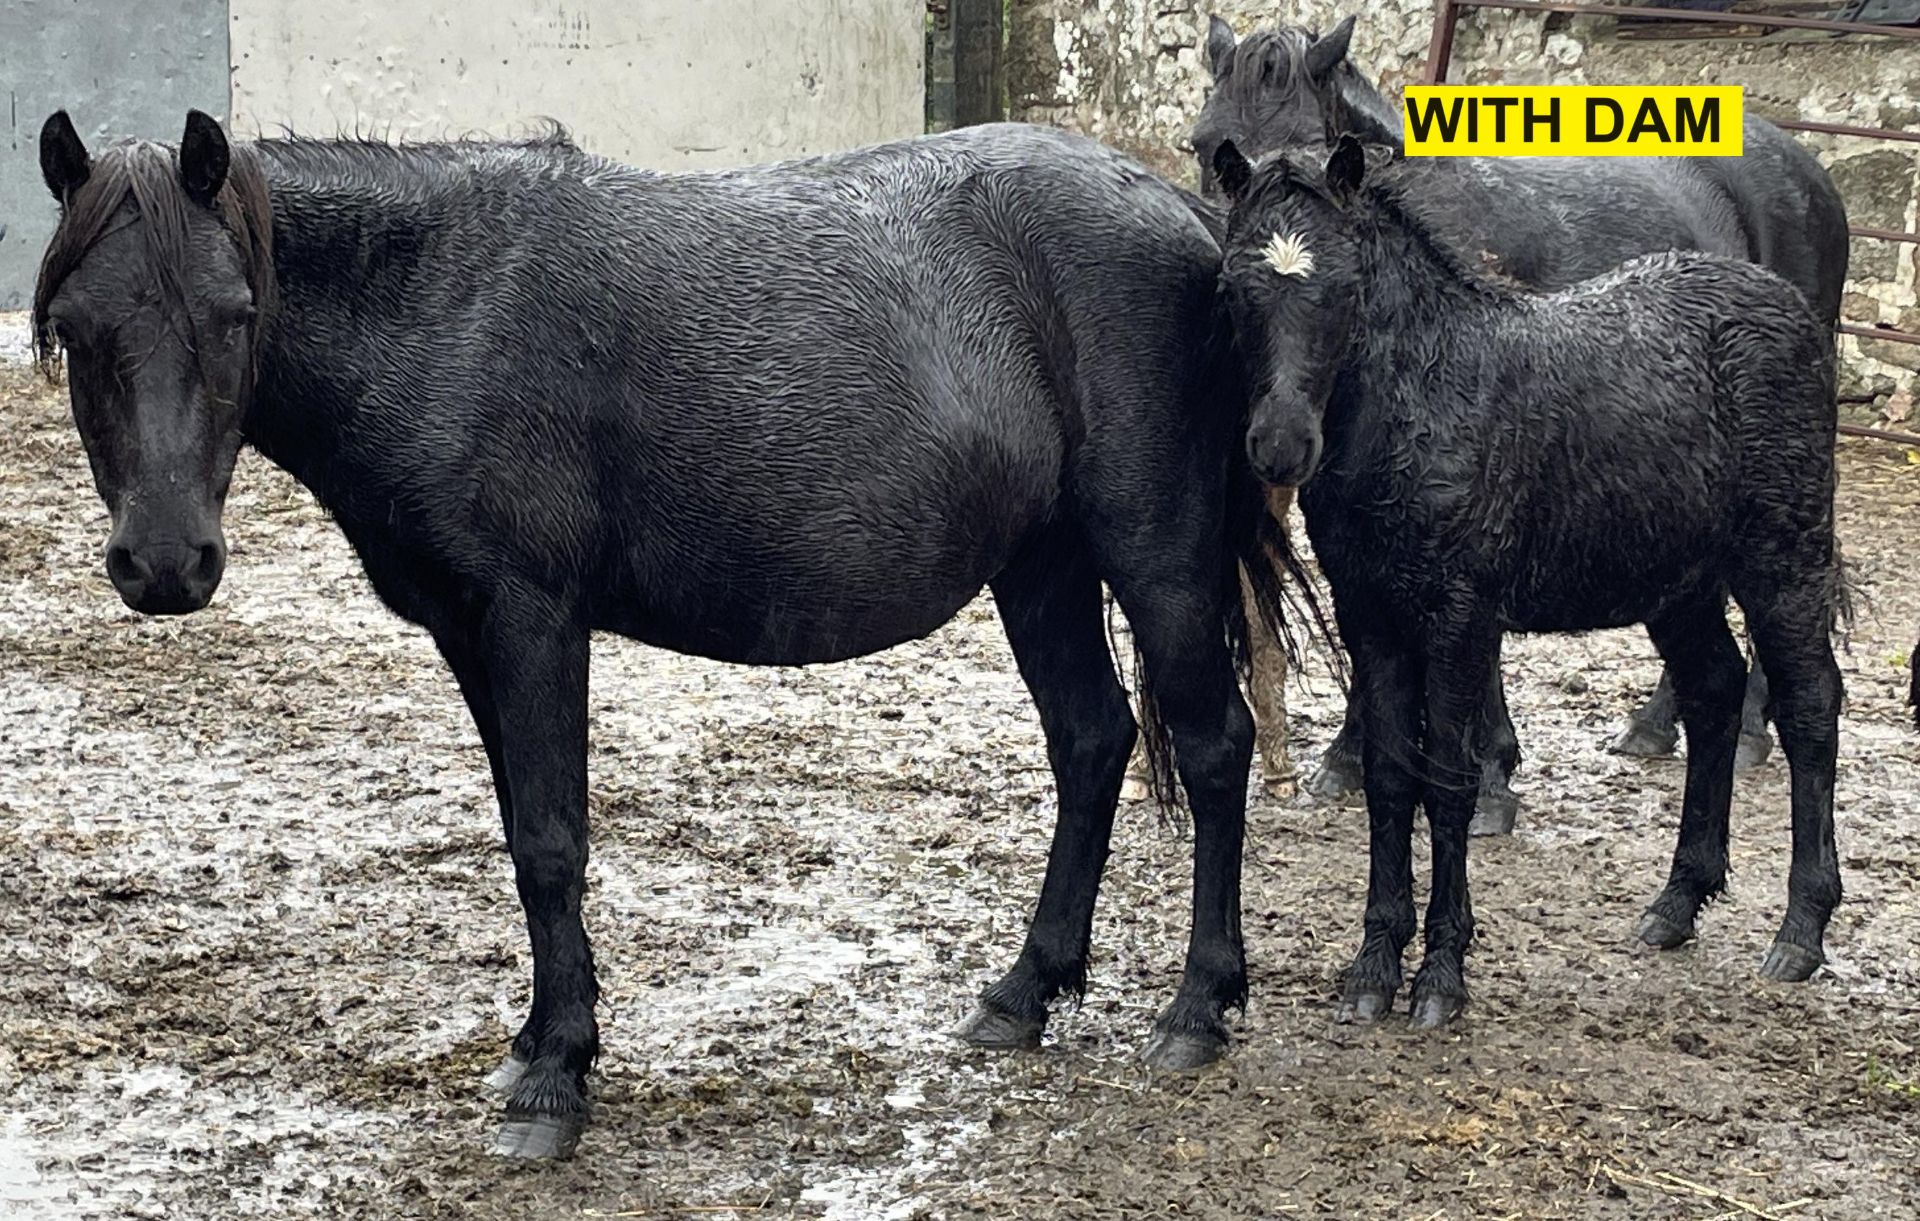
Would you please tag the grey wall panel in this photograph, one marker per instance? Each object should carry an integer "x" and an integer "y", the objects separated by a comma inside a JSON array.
[{"x": 119, "y": 67}]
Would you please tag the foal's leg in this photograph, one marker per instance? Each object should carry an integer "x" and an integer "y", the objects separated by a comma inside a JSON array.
[
  {"x": 1460, "y": 664},
  {"x": 1496, "y": 808},
  {"x": 1388, "y": 679},
  {"x": 1706, "y": 672},
  {"x": 1341, "y": 770},
  {"x": 1053, "y": 618},
  {"x": 534, "y": 651},
  {"x": 1756, "y": 743},
  {"x": 1792, "y": 635},
  {"x": 1651, "y": 732}
]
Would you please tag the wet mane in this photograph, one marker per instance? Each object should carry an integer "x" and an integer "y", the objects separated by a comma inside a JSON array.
[{"x": 147, "y": 175}]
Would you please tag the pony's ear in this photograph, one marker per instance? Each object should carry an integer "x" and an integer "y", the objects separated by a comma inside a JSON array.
[
  {"x": 63, "y": 158},
  {"x": 203, "y": 158},
  {"x": 1220, "y": 44},
  {"x": 1326, "y": 52},
  {"x": 1233, "y": 171},
  {"x": 1346, "y": 167}
]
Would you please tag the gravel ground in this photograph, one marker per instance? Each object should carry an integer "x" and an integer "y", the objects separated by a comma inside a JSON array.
[{"x": 262, "y": 943}]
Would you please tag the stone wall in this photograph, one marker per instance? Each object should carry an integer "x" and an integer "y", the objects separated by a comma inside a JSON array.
[{"x": 1133, "y": 73}]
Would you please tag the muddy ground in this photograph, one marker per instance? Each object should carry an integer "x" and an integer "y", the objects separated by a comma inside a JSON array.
[{"x": 260, "y": 942}]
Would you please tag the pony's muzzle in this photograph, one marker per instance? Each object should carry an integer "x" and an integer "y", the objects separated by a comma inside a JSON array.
[
  {"x": 1284, "y": 448},
  {"x": 167, "y": 576}
]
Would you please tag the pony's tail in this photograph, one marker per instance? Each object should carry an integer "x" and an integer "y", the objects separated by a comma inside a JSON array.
[{"x": 1267, "y": 577}]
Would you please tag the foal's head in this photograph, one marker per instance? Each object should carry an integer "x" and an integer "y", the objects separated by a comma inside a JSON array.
[
  {"x": 1291, "y": 278},
  {"x": 1284, "y": 88},
  {"x": 153, "y": 288}
]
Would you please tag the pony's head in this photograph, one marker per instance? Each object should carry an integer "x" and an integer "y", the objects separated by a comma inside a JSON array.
[
  {"x": 154, "y": 289},
  {"x": 1285, "y": 88},
  {"x": 1291, "y": 279}
]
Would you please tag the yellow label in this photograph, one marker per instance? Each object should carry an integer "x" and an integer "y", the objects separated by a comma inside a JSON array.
[{"x": 1574, "y": 120}]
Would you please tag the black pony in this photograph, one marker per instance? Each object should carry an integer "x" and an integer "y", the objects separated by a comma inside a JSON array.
[
  {"x": 1475, "y": 459},
  {"x": 775, "y": 416},
  {"x": 1547, "y": 222}
]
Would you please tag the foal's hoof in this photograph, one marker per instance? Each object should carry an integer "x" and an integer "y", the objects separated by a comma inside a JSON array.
[
  {"x": 1495, "y": 814},
  {"x": 1644, "y": 741},
  {"x": 539, "y": 1137},
  {"x": 1791, "y": 963},
  {"x": 1433, "y": 1010},
  {"x": 1334, "y": 778},
  {"x": 1363, "y": 1006},
  {"x": 1181, "y": 1051},
  {"x": 502, "y": 1079},
  {"x": 997, "y": 1030},
  {"x": 1661, "y": 933},
  {"x": 1752, "y": 751}
]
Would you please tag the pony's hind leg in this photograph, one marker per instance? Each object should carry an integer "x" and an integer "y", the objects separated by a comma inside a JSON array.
[
  {"x": 1497, "y": 807},
  {"x": 1341, "y": 769},
  {"x": 1651, "y": 731},
  {"x": 1051, "y": 608},
  {"x": 1706, "y": 674},
  {"x": 1791, "y": 634},
  {"x": 1756, "y": 741}
]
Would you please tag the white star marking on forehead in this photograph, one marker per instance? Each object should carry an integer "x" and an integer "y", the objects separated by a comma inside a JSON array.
[{"x": 1288, "y": 255}]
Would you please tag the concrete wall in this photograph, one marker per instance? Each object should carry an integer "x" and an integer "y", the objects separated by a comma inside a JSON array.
[
  {"x": 115, "y": 78},
  {"x": 1133, "y": 73},
  {"x": 671, "y": 84}
]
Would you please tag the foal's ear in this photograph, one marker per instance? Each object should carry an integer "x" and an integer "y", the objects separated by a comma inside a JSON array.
[
  {"x": 1233, "y": 171},
  {"x": 203, "y": 158},
  {"x": 1327, "y": 52},
  {"x": 63, "y": 158},
  {"x": 1346, "y": 167},
  {"x": 1220, "y": 44}
]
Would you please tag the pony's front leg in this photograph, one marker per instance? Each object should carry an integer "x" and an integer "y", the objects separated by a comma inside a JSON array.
[
  {"x": 1460, "y": 664},
  {"x": 1386, "y": 696},
  {"x": 534, "y": 651}
]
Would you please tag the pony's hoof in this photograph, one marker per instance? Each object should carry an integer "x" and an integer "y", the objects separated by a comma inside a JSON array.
[
  {"x": 998, "y": 1030},
  {"x": 1334, "y": 778},
  {"x": 1180, "y": 1051},
  {"x": 1791, "y": 963},
  {"x": 1363, "y": 1006},
  {"x": 1752, "y": 751},
  {"x": 1661, "y": 933},
  {"x": 539, "y": 1137},
  {"x": 1642, "y": 741},
  {"x": 1433, "y": 1010},
  {"x": 1280, "y": 785},
  {"x": 1494, "y": 815},
  {"x": 502, "y": 1079}
]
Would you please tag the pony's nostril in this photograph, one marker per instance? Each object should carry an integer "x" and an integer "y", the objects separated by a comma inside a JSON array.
[
  {"x": 208, "y": 560},
  {"x": 126, "y": 568}
]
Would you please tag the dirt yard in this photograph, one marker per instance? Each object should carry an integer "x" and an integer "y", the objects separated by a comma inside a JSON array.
[{"x": 261, "y": 942}]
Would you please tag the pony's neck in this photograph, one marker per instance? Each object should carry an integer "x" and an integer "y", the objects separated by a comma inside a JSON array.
[{"x": 1420, "y": 300}]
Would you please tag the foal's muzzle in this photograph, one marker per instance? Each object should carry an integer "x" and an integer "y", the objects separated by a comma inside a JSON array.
[{"x": 1284, "y": 447}]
